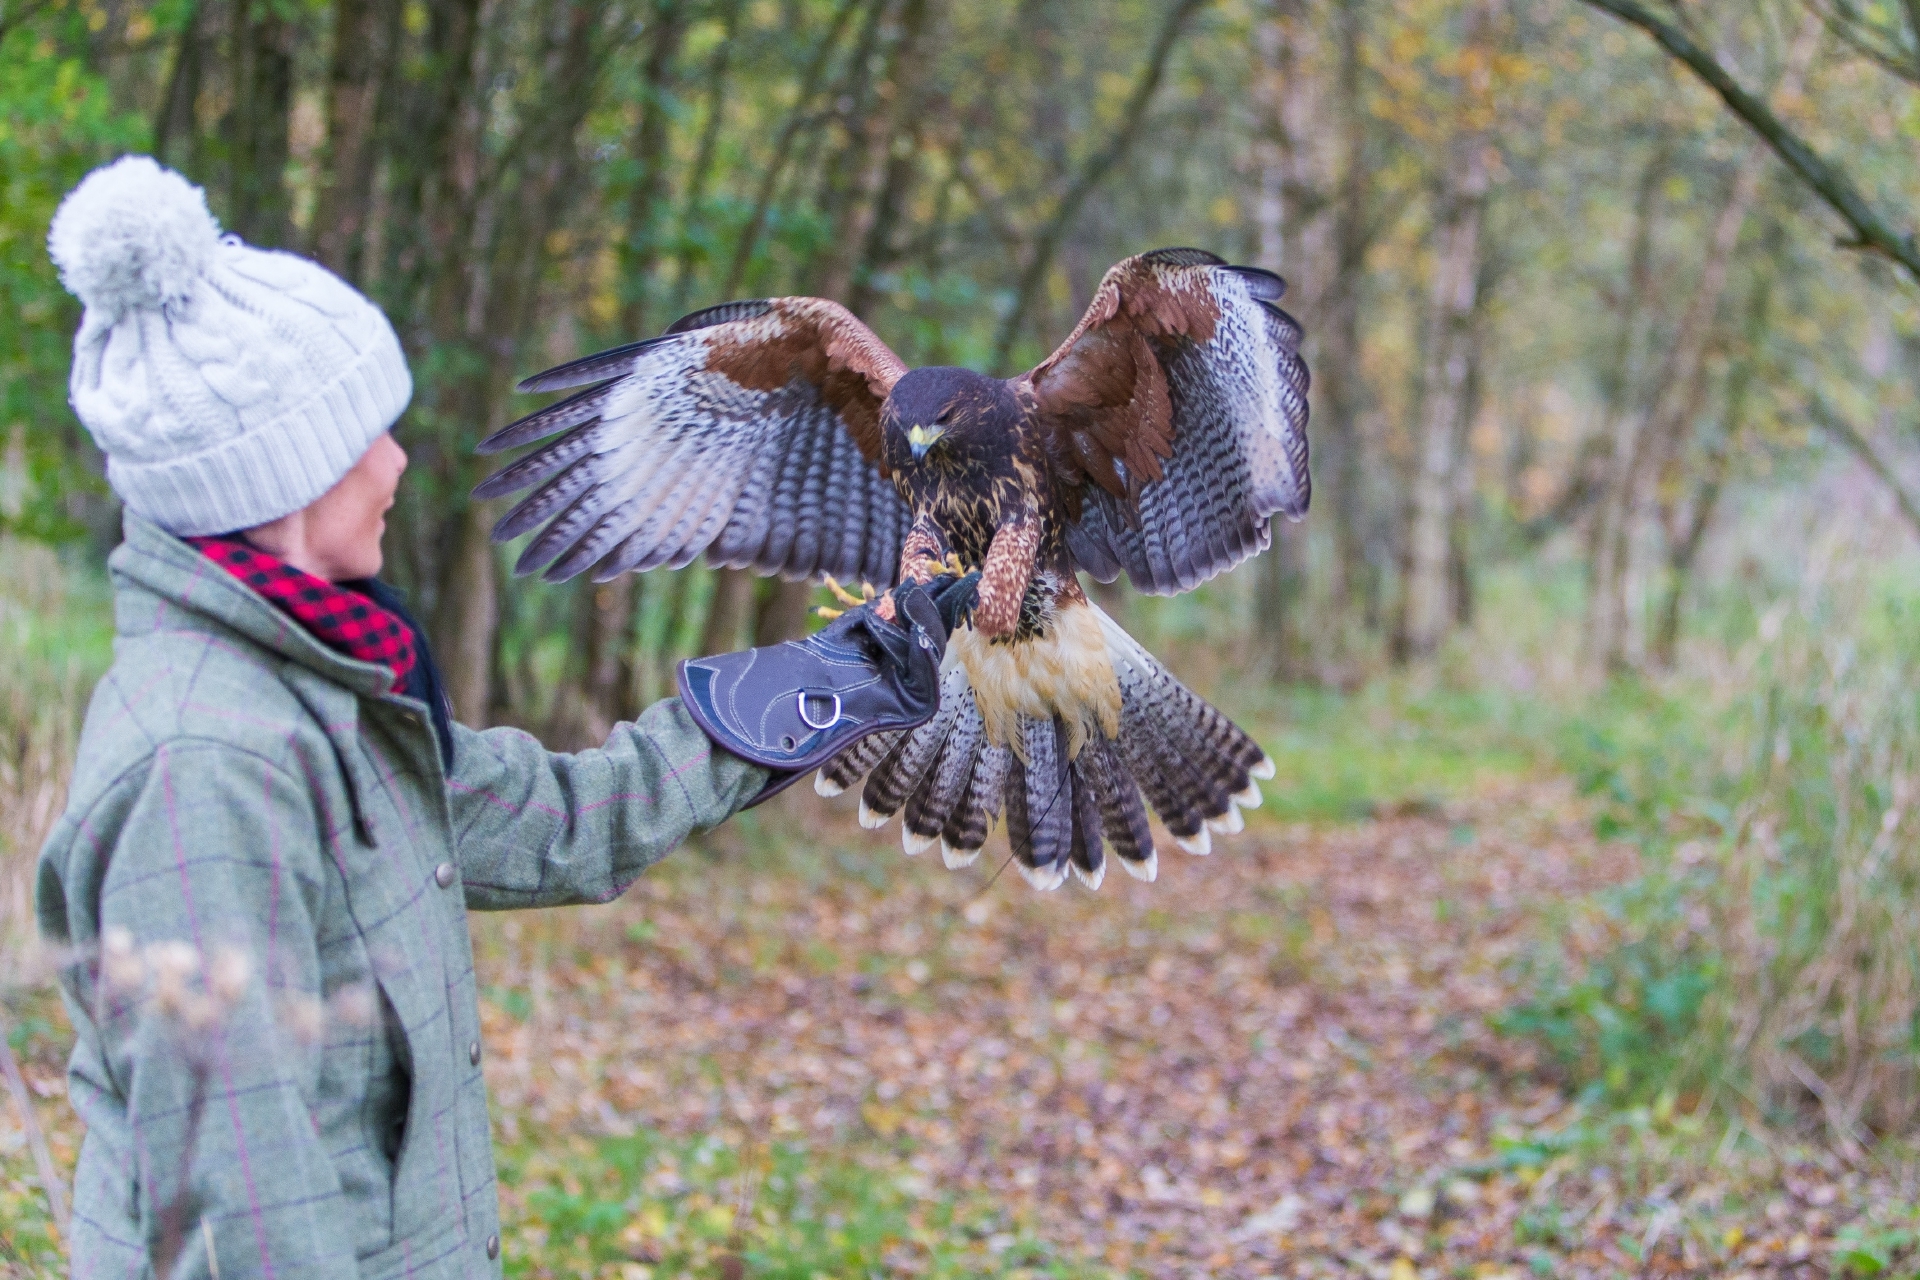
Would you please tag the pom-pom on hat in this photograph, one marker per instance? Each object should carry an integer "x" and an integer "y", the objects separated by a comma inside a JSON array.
[{"x": 227, "y": 385}]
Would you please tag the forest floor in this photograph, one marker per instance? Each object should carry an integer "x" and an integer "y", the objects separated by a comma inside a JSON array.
[
  {"x": 808, "y": 1055},
  {"x": 1275, "y": 1061}
]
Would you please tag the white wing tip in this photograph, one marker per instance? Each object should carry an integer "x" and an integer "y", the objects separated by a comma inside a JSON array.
[
  {"x": 1200, "y": 844},
  {"x": 825, "y": 786},
  {"x": 1264, "y": 769},
  {"x": 1045, "y": 879},
  {"x": 1091, "y": 879},
  {"x": 1228, "y": 823},
  {"x": 1147, "y": 868},
  {"x": 1250, "y": 798},
  {"x": 869, "y": 819},
  {"x": 913, "y": 842},
  {"x": 957, "y": 858}
]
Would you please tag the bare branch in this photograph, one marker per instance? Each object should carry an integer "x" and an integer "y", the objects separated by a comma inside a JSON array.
[
  {"x": 1872, "y": 40},
  {"x": 1862, "y": 448},
  {"x": 1101, "y": 163},
  {"x": 1833, "y": 186}
]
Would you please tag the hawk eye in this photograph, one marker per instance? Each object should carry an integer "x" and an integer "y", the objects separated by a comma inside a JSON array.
[{"x": 946, "y": 416}]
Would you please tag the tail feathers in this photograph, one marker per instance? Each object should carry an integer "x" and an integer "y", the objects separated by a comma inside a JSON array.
[
  {"x": 972, "y": 819},
  {"x": 896, "y": 776},
  {"x": 1122, "y": 814},
  {"x": 945, "y": 784},
  {"x": 1040, "y": 808},
  {"x": 1157, "y": 769},
  {"x": 1066, "y": 802},
  {"x": 1196, "y": 766},
  {"x": 853, "y": 764},
  {"x": 1086, "y": 859}
]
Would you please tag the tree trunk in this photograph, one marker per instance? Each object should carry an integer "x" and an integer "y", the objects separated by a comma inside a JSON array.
[
  {"x": 343, "y": 200},
  {"x": 700, "y": 175},
  {"x": 259, "y": 123},
  {"x": 176, "y": 129},
  {"x": 776, "y": 165},
  {"x": 594, "y": 687},
  {"x": 783, "y": 614},
  {"x": 1679, "y": 387},
  {"x": 1281, "y": 637},
  {"x": 1426, "y": 610},
  {"x": 1464, "y": 505},
  {"x": 1337, "y": 442},
  {"x": 1682, "y": 552},
  {"x": 728, "y": 610},
  {"x": 900, "y": 150},
  {"x": 1598, "y": 471},
  {"x": 1098, "y": 165},
  {"x": 464, "y": 627},
  {"x": 592, "y": 697},
  {"x": 640, "y": 251}
]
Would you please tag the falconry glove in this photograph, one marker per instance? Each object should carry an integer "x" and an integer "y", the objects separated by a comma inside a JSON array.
[{"x": 792, "y": 707}]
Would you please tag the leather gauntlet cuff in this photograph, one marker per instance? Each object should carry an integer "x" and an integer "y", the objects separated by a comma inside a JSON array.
[{"x": 792, "y": 707}]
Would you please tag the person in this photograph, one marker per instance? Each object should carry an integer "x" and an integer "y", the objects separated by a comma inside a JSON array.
[{"x": 275, "y": 828}]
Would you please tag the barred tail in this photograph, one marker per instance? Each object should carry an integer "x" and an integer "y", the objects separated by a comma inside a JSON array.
[{"x": 1069, "y": 796}]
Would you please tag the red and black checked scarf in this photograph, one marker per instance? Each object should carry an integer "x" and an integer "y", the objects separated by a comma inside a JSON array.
[{"x": 339, "y": 618}]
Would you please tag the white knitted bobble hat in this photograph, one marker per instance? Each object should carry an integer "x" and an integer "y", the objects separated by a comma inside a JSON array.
[{"x": 227, "y": 385}]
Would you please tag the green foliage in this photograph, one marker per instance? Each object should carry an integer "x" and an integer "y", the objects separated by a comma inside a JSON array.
[
  {"x": 57, "y": 120},
  {"x": 1387, "y": 748},
  {"x": 1873, "y": 1250},
  {"x": 1762, "y": 943},
  {"x": 643, "y": 1206},
  {"x": 1621, "y": 1024}
]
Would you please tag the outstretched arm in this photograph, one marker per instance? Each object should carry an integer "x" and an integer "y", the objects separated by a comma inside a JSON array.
[{"x": 539, "y": 828}]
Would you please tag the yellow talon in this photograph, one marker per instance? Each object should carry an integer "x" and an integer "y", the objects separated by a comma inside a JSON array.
[
  {"x": 953, "y": 566},
  {"x": 844, "y": 596}
]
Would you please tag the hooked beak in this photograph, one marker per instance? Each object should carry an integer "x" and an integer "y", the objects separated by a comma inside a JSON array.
[{"x": 921, "y": 439}]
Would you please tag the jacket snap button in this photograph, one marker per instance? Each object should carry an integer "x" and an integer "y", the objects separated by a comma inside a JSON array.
[
  {"x": 493, "y": 1246},
  {"x": 473, "y": 1053},
  {"x": 443, "y": 875}
]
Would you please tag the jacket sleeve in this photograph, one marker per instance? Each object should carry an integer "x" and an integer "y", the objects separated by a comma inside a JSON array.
[
  {"x": 199, "y": 1027},
  {"x": 537, "y": 828}
]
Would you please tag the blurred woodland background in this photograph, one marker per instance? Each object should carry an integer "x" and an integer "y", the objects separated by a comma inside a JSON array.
[{"x": 1611, "y": 313}]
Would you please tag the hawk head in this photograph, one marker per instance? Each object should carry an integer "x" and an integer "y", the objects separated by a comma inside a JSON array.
[{"x": 945, "y": 416}]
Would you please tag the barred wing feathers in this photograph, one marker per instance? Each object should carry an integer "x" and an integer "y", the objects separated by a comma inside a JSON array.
[
  {"x": 1178, "y": 407},
  {"x": 749, "y": 431}
]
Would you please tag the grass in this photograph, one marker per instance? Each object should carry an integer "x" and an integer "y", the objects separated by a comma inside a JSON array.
[{"x": 628, "y": 1208}]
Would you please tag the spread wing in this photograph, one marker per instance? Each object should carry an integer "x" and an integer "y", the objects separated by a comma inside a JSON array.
[
  {"x": 749, "y": 431},
  {"x": 1179, "y": 410}
]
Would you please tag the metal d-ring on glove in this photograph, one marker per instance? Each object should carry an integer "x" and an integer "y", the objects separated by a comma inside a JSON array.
[{"x": 792, "y": 707}]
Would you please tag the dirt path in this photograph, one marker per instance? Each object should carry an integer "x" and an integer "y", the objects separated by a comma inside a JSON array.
[{"x": 1273, "y": 1061}]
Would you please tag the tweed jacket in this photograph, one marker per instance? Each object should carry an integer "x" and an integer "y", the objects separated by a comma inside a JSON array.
[{"x": 262, "y": 881}]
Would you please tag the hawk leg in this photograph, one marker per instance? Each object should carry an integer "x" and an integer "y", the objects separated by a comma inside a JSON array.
[
  {"x": 923, "y": 553},
  {"x": 1004, "y": 578}
]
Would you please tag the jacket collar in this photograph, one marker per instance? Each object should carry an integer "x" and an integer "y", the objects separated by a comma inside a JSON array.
[{"x": 183, "y": 588}]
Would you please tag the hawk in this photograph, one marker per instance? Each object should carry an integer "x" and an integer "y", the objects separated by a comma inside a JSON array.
[{"x": 782, "y": 435}]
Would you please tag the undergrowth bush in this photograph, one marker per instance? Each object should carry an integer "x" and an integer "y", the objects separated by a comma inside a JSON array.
[
  {"x": 1766, "y": 956},
  {"x": 55, "y": 641}
]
